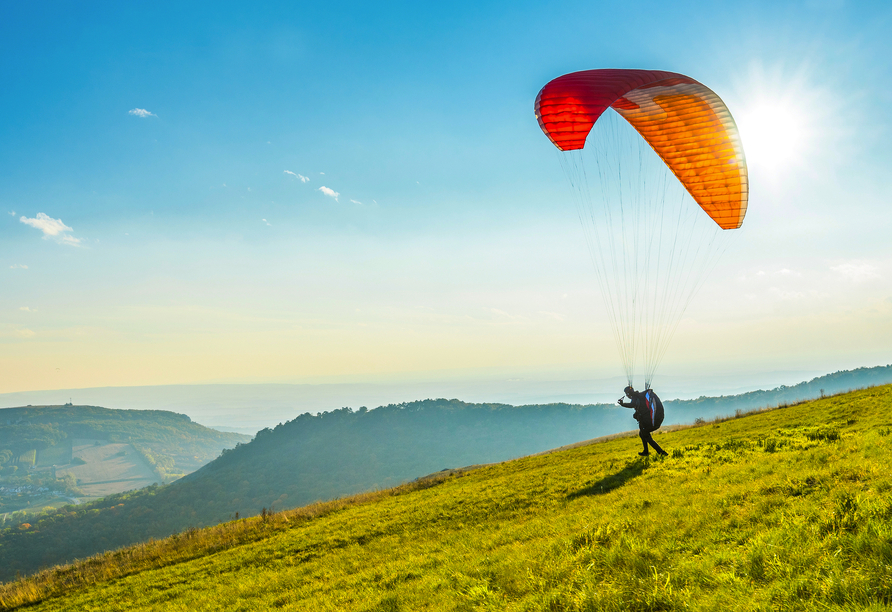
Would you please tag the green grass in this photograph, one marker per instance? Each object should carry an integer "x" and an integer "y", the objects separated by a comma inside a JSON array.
[{"x": 783, "y": 509}]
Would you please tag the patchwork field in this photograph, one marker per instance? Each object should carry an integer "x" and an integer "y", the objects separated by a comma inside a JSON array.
[
  {"x": 58, "y": 454},
  {"x": 107, "y": 468}
]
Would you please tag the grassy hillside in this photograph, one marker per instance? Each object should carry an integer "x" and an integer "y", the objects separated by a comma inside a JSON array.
[
  {"x": 326, "y": 456},
  {"x": 785, "y": 509},
  {"x": 307, "y": 459}
]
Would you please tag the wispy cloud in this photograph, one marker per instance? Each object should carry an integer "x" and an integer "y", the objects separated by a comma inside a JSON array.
[
  {"x": 12, "y": 213},
  {"x": 303, "y": 179},
  {"x": 785, "y": 295},
  {"x": 52, "y": 228},
  {"x": 25, "y": 333},
  {"x": 329, "y": 192},
  {"x": 762, "y": 275},
  {"x": 27, "y": 309},
  {"x": 356, "y": 202},
  {"x": 556, "y": 316},
  {"x": 506, "y": 315},
  {"x": 19, "y": 266},
  {"x": 68, "y": 239},
  {"x": 857, "y": 271},
  {"x": 141, "y": 112},
  {"x": 46, "y": 224},
  {"x": 267, "y": 222}
]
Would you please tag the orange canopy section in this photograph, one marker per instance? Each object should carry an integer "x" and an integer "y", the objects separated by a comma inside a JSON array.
[{"x": 685, "y": 122}]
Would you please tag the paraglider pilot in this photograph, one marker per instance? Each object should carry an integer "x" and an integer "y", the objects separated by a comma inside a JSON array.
[{"x": 649, "y": 414}]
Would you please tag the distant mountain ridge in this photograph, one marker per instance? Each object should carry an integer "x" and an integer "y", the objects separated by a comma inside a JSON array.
[
  {"x": 249, "y": 407},
  {"x": 317, "y": 457},
  {"x": 829, "y": 384}
]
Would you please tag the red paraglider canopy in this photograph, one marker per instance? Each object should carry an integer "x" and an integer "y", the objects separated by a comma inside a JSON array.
[
  {"x": 684, "y": 121},
  {"x": 568, "y": 106}
]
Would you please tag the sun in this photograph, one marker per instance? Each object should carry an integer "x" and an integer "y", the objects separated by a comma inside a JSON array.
[
  {"x": 774, "y": 135},
  {"x": 782, "y": 116}
]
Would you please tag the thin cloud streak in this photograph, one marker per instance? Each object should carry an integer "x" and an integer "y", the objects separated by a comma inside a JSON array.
[
  {"x": 329, "y": 192},
  {"x": 52, "y": 228},
  {"x": 141, "y": 112},
  {"x": 68, "y": 239},
  {"x": 857, "y": 271},
  {"x": 303, "y": 179}
]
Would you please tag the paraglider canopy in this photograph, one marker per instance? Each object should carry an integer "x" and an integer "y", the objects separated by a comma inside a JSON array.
[
  {"x": 685, "y": 122},
  {"x": 651, "y": 244}
]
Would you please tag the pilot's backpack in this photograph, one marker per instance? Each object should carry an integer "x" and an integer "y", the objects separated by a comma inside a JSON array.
[{"x": 654, "y": 408}]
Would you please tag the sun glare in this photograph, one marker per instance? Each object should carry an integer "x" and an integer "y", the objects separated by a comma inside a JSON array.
[
  {"x": 773, "y": 135},
  {"x": 787, "y": 121}
]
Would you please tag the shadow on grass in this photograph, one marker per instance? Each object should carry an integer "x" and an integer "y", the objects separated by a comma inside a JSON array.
[{"x": 612, "y": 481}]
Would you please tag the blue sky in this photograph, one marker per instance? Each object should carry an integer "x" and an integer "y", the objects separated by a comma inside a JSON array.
[{"x": 182, "y": 246}]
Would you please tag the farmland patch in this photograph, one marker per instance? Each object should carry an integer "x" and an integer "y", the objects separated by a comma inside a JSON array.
[{"x": 107, "y": 468}]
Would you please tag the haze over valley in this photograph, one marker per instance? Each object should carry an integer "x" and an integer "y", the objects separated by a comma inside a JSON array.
[{"x": 248, "y": 408}]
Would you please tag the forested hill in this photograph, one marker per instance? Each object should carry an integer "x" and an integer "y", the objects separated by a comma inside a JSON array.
[
  {"x": 345, "y": 451},
  {"x": 685, "y": 411},
  {"x": 170, "y": 441},
  {"x": 318, "y": 457}
]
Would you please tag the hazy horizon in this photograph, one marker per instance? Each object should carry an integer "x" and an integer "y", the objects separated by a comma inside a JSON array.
[{"x": 250, "y": 407}]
